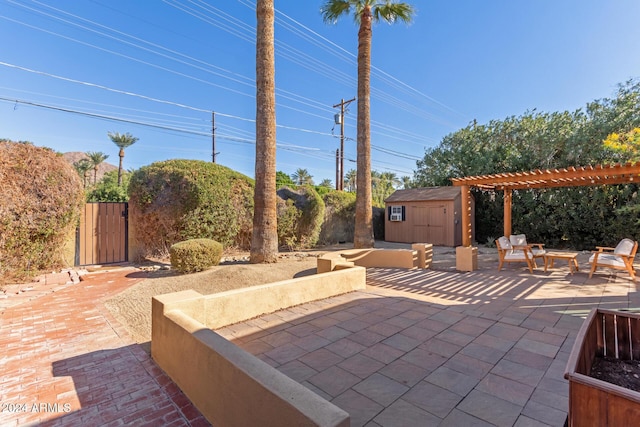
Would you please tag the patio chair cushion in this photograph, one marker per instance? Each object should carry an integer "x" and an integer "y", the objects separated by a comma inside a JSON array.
[
  {"x": 521, "y": 240},
  {"x": 624, "y": 247},
  {"x": 517, "y": 254},
  {"x": 518, "y": 239},
  {"x": 504, "y": 243},
  {"x": 608, "y": 259}
]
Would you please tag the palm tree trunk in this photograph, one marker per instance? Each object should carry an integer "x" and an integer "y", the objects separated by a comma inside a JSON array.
[
  {"x": 363, "y": 233},
  {"x": 264, "y": 239},
  {"x": 121, "y": 154}
]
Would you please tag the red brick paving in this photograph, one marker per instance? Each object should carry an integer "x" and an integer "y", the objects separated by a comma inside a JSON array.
[{"x": 65, "y": 361}]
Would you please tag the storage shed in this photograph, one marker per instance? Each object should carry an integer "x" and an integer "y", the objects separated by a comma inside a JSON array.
[{"x": 426, "y": 215}]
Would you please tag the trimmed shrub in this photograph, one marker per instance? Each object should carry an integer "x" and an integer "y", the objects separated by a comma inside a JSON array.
[
  {"x": 195, "y": 255},
  {"x": 300, "y": 217},
  {"x": 178, "y": 200},
  {"x": 41, "y": 197},
  {"x": 339, "y": 218}
]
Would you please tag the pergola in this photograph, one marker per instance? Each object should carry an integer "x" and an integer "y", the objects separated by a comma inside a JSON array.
[{"x": 570, "y": 177}]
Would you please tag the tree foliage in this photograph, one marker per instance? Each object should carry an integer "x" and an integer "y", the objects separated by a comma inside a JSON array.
[
  {"x": 122, "y": 141},
  {"x": 178, "y": 200},
  {"x": 283, "y": 180},
  {"x": 108, "y": 190},
  {"x": 41, "y": 199},
  {"x": 300, "y": 217},
  {"x": 627, "y": 143},
  {"x": 383, "y": 184},
  {"x": 566, "y": 217},
  {"x": 96, "y": 158},
  {"x": 302, "y": 177}
]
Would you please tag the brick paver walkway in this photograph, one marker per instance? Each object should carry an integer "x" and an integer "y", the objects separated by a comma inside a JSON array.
[{"x": 65, "y": 361}]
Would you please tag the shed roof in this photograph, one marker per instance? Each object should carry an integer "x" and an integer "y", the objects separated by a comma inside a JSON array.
[{"x": 424, "y": 194}]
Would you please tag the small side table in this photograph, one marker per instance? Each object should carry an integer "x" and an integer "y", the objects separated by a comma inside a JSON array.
[{"x": 571, "y": 258}]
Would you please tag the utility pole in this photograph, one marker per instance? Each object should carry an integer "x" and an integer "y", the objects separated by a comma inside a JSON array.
[
  {"x": 213, "y": 137},
  {"x": 337, "y": 169},
  {"x": 342, "y": 104}
]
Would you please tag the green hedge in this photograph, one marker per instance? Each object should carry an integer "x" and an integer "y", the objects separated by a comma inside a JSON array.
[
  {"x": 195, "y": 255},
  {"x": 177, "y": 200},
  {"x": 300, "y": 217}
]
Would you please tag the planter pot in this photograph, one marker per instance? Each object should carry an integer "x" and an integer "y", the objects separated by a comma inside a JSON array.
[{"x": 593, "y": 402}]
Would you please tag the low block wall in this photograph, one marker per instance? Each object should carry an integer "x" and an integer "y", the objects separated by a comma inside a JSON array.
[
  {"x": 419, "y": 256},
  {"x": 229, "y": 386}
]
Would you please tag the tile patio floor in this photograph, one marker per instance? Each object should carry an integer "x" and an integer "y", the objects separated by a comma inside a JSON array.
[
  {"x": 439, "y": 348},
  {"x": 417, "y": 348}
]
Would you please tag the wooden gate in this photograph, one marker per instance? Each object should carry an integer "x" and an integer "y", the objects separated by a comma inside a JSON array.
[{"x": 102, "y": 235}]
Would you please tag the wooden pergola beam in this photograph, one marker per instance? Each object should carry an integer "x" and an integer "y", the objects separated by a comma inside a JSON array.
[{"x": 568, "y": 177}]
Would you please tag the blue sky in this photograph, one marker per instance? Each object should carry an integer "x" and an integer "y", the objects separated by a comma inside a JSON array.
[{"x": 170, "y": 63}]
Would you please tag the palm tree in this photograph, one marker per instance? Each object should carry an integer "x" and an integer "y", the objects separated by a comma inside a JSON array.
[
  {"x": 123, "y": 141},
  {"x": 351, "y": 182},
  {"x": 264, "y": 239},
  {"x": 407, "y": 183},
  {"x": 383, "y": 185},
  {"x": 302, "y": 177},
  {"x": 326, "y": 183},
  {"x": 365, "y": 12},
  {"x": 82, "y": 166},
  {"x": 96, "y": 157}
]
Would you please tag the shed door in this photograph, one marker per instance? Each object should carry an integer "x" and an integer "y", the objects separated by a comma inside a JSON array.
[
  {"x": 420, "y": 231},
  {"x": 437, "y": 230}
]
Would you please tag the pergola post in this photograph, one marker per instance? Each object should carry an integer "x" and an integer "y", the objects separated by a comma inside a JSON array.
[
  {"x": 507, "y": 212},
  {"x": 466, "y": 216},
  {"x": 466, "y": 255}
]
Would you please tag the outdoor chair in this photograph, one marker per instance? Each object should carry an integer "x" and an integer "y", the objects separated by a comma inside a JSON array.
[
  {"x": 537, "y": 249},
  {"x": 620, "y": 258},
  {"x": 511, "y": 253}
]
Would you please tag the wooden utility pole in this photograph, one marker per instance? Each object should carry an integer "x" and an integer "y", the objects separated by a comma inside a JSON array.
[
  {"x": 342, "y": 104},
  {"x": 337, "y": 169},
  {"x": 214, "y": 153}
]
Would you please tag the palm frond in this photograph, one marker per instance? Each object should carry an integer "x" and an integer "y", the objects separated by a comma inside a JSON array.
[
  {"x": 391, "y": 12},
  {"x": 332, "y": 10}
]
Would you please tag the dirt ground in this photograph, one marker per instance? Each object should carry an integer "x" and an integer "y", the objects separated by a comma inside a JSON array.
[{"x": 132, "y": 307}]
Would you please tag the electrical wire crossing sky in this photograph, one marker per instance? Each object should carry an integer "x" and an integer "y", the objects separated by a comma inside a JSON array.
[{"x": 176, "y": 73}]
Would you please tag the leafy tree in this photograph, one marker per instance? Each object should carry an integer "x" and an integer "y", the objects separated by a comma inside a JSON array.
[
  {"x": 122, "y": 141},
  {"x": 264, "y": 239},
  {"x": 283, "y": 180},
  {"x": 565, "y": 217},
  {"x": 108, "y": 189},
  {"x": 326, "y": 183},
  {"x": 365, "y": 12},
  {"x": 627, "y": 143},
  {"x": 383, "y": 185},
  {"x": 407, "y": 182},
  {"x": 96, "y": 158},
  {"x": 302, "y": 177}
]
